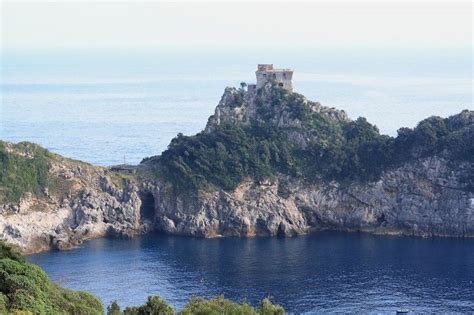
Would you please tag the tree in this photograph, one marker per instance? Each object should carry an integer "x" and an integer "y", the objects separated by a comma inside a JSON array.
[
  {"x": 113, "y": 309},
  {"x": 155, "y": 306}
]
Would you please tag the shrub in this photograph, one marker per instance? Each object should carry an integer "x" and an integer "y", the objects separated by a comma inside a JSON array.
[
  {"x": 25, "y": 287},
  {"x": 113, "y": 309},
  {"x": 216, "y": 306},
  {"x": 20, "y": 173},
  {"x": 198, "y": 306},
  {"x": 334, "y": 150},
  {"x": 220, "y": 305}
]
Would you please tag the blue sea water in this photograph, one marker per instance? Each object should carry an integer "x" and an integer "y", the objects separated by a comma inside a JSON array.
[
  {"x": 108, "y": 108},
  {"x": 320, "y": 273}
]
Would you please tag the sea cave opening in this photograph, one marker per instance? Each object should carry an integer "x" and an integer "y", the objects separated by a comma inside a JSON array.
[{"x": 147, "y": 209}]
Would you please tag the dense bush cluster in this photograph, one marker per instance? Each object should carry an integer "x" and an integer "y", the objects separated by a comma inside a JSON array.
[
  {"x": 198, "y": 306},
  {"x": 338, "y": 150},
  {"x": 225, "y": 157},
  {"x": 27, "y": 172},
  {"x": 26, "y": 289}
]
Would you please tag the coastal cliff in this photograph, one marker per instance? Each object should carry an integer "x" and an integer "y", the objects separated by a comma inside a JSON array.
[
  {"x": 314, "y": 170},
  {"x": 269, "y": 162},
  {"x": 50, "y": 202},
  {"x": 425, "y": 198}
]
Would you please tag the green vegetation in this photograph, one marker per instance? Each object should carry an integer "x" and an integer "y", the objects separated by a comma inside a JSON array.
[
  {"x": 25, "y": 287},
  {"x": 24, "y": 170},
  {"x": 154, "y": 305},
  {"x": 220, "y": 305},
  {"x": 198, "y": 306},
  {"x": 335, "y": 150},
  {"x": 24, "y": 167},
  {"x": 224, "y": 157}
]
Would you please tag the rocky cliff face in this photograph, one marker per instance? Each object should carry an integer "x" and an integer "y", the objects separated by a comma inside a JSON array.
[
  {"x": 89, "y": 202},
  {"x": 427, "y": 196}
]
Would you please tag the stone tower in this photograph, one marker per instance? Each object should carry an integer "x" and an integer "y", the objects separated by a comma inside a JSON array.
[{"x": 266, "y": 73}]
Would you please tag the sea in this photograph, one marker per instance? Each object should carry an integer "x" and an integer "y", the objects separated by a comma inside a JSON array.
[
  {"x": 114, "y": 107},
  {"x": 109, "y": 108},
  {"x": 327, "y": 272}
]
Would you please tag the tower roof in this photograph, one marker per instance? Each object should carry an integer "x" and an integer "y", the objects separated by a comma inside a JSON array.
[{"x": 269, "y": 68}]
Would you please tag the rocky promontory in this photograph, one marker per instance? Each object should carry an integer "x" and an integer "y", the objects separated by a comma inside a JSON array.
[
  {"x": 268, "y": 163},
  {"x": 271, "y": 162}
]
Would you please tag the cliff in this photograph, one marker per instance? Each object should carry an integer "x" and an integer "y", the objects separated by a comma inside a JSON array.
[
  {"x": 50, "y": 202},
  {"x": 269, "y": 162},
  {"x": 274, "y": 163}
]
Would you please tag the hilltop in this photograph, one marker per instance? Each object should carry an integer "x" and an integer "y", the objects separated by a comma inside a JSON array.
[{"x": 277, "y": 133}]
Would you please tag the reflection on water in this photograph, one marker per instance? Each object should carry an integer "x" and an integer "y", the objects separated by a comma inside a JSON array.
[{"x": 326, "y": 272}]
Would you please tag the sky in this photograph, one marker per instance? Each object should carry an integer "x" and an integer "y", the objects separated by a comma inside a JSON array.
[{"x": 103, "y": 25}]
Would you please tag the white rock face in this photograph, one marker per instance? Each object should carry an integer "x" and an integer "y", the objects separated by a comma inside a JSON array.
[
  {"x": 92, "y": 206},
  {"x": 408, "y": 201}
]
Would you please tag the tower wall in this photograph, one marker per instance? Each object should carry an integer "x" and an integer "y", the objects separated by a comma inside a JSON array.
[{"x": 266, "y": 73}]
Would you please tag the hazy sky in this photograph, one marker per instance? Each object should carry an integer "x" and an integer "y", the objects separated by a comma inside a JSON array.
[{"x": 103, "y": 25}]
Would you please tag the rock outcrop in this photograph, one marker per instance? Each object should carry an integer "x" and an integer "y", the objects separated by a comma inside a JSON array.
[
  {"x": 425, "y": 198},
  {"x": 85, "y": 204}
]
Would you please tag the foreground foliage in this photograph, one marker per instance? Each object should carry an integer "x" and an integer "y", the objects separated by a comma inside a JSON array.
[
  {"x": 196, "y": 306},
  {"x": 25, "y": 287}
]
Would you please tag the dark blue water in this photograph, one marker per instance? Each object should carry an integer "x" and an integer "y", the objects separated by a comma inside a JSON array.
[{"x": 323, "y": 272}]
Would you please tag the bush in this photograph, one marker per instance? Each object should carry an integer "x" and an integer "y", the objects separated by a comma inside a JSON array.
[
  {"x": 335, "y": 150},
  {"x": 198, "y": 306},
  {"x": 154, "y": 306},
  {"x": 25, "y": 287},
  {"x": 20, "y": 173},
  {"x": 113, "y": 309},
  {"x": 220, "y": 305},
  {"x": 216, "y": 306}
]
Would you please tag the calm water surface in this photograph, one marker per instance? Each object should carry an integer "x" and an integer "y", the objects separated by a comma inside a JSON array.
[{"x": 323, "y": 272}]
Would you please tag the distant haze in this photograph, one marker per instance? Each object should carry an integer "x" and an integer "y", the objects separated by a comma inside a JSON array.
[{"x": 102, "y": 25}]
